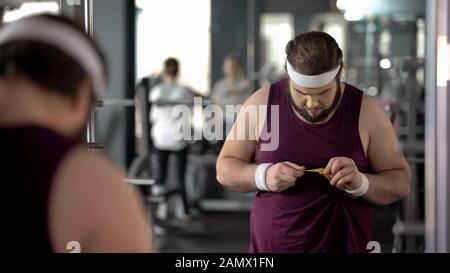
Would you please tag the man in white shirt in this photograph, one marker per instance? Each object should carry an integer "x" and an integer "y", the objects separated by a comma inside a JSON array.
[{"x": 163, "y": 98}]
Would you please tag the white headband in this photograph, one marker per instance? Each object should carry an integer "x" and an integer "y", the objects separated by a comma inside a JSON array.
[
  {"x": 64, "y": 38},
  {"x": 311, "y": 81}
]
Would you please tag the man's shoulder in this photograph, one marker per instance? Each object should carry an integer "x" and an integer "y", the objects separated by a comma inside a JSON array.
[
  {"x": 353, "y": 89},
  {"x": 156, "y": 88},
  {"x": 185, "y": 91},
  {"x": 81, "y": 163},
  {"x": 372, "y": 111},
  {"x": 259, "y": 97},
  {"x": 183, "y": 87},
  {"x": 220, "y": 84},
  {"x": 369, "y": 102},
  {"x": 220, "y": 81}
]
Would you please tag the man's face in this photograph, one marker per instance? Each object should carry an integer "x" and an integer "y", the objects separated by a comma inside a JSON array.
[
  {"x": 231, "y": 67},
  {"x": 315, "y": 104}
]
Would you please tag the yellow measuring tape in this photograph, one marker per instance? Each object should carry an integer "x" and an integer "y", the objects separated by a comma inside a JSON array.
[{"x": 320, "y": 171}]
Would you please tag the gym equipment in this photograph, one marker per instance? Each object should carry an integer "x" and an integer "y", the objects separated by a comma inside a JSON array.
[{"x": 409, "y": 228}]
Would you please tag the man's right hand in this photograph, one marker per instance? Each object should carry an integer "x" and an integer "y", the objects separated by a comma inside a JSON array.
[{"x": 281, "y": 176}]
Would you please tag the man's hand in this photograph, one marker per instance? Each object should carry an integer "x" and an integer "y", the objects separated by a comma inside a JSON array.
[
  {"x": 345, "y": 175},
  {"x": 283, "y": 175}
]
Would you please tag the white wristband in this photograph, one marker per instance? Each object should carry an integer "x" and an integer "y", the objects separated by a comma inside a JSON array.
[
  {"x": 260, "y": 176},
  {"x": 362, "y": 189}
]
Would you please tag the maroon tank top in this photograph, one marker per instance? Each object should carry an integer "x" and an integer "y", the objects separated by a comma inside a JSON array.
[
  {"x": 30, "y": 157},
  {"x": 312, "y": 216}
]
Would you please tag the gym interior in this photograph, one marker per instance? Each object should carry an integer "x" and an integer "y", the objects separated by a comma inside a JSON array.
[{"x": 395, "y": 51}]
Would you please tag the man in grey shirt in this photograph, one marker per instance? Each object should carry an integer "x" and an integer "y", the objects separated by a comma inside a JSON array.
[{"x": 233, "y": 88}]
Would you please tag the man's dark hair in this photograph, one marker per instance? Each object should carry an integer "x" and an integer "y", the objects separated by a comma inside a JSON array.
[
  {"x": 234, "y": 57},
  {"x": 313, "y": 53},
  {"x": 44, "y": 64},
  {"x": 171, "y": 67}
]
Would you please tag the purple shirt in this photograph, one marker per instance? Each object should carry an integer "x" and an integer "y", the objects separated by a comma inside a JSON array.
[
  {"x": 30, "y": 157},
  {"x": 312, "y": 216}
]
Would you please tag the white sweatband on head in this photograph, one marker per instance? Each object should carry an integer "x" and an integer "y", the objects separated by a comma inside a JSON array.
[
  {"x": 260, "y": 176},
  {"x": 62, "y": 37},
  {"x": 311, "y": 81},
  {"x": 363, "y": 188}
]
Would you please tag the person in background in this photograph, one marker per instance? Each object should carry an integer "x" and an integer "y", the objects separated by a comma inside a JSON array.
[
  {"x": 58, "y": 196},
  {"x": 335, "y": 156},
  {"x": 164, "y": 97},
  {"x": 233, "y": 89}
]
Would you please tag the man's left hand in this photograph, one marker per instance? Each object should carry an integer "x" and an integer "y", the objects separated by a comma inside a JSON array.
[{"x": 345, "y": 175}]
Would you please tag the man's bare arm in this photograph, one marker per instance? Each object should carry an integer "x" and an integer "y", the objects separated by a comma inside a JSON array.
[
  {"x": 391, "y": 179},
  {"x": 91, "y": 204},
  {"x": 234, "y": 167}
]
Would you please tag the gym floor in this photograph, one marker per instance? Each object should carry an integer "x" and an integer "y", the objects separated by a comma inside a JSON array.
[
  {"x": 228, "y": 232},
  {"x": 213, "y": 232}
]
